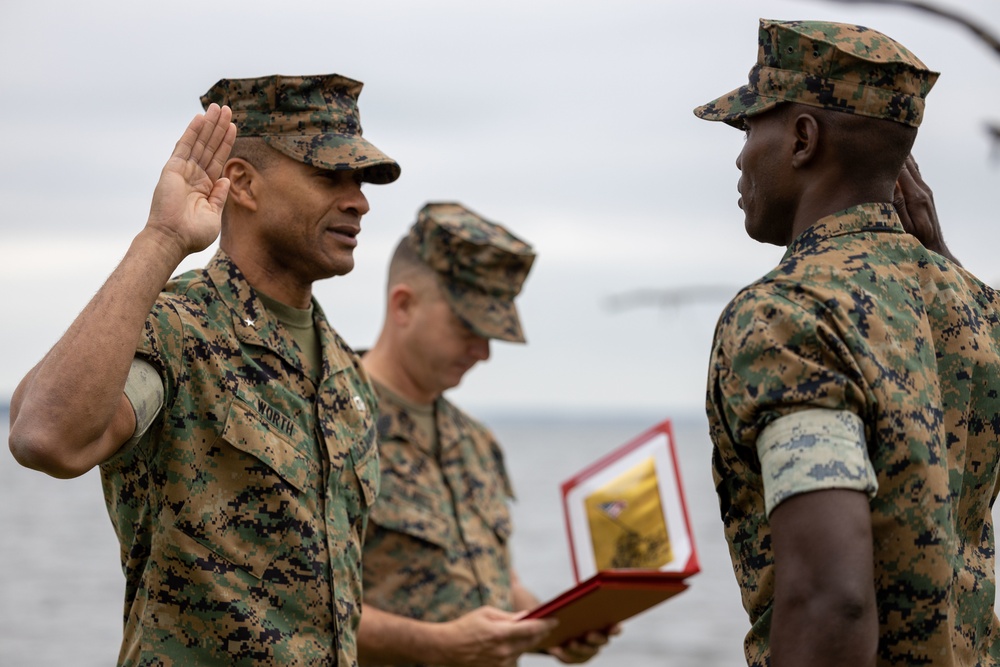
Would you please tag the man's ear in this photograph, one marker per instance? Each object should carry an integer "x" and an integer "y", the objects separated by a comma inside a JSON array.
[
  {"x": 807, "y": 138},
  {"x": 401, "y": 300},
  {"x": 243, "y": 177}
]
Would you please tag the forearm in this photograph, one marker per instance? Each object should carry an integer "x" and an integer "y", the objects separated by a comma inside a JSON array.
[
  {"x": 524, "y": 600},
  {"x": 68, "y": 414},
  {"x": 388, "y": 639}
]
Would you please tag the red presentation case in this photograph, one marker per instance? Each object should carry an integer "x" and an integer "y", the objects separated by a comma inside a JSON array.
[{"x": 604, "y": 597}]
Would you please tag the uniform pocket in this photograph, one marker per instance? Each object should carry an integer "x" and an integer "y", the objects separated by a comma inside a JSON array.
[
  {"x": 248, "y": 431},
  {"x": 495, "y": 512},
  {"x": 491, "y": 493},
  {"x": 402, "y": 509},
  {"x": 247, "y": 486}
]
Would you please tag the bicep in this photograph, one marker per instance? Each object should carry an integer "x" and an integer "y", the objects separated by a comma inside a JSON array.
[
  {"x": 824, "y": 594},
  {"x": 139, "y": 406},
  {"x": 817, "y": 481},
  {"x": 823, "y": 538}
]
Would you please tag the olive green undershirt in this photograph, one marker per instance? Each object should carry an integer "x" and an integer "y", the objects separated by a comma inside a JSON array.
[
  {"x": 422, "y": 415},
  {"x": 299, "y": 323}
]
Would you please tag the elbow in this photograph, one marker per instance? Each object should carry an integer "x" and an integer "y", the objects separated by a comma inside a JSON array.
[
  {"x": 842, "y": 619},
  {"x": 844, "y": 605},
  {"x": 43, "y": 453},
  {"x": 848, "y": 610},
  {"x": 828, "y": 629}
]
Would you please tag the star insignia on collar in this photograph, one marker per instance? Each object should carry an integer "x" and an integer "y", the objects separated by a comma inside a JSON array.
[{"x": 249, "y": 322}]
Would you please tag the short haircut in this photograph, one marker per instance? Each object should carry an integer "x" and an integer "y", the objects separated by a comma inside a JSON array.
[
  {"x": 407, "y": 267},
  {"x": 869, "y": 148},
  {"x": 255, "y": 151}
]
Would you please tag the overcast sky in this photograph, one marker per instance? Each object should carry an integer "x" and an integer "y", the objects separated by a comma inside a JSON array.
[{"x": 568, "y": 121}]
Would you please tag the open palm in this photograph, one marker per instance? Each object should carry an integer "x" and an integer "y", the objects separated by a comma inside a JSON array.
[{"x": 190, "y": 195}]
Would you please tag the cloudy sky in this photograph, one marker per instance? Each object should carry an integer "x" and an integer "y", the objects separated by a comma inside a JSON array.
[{"x": 569, "y": 121}]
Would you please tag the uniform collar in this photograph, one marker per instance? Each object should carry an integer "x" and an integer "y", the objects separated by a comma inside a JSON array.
[
  {"x": 395, "y": 424},
  {"x": 255, "y": 325},
  {"x": 879, "y": 217}
]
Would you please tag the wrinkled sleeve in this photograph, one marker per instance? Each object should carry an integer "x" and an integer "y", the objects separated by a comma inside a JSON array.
[
  {"x": 162, "y": 343},
  {"x": 773, "y": 358}
]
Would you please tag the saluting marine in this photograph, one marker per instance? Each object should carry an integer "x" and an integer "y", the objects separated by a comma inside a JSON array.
[
  {"x": 853, "y": 390},
  {"x": 238, "y": 455}
]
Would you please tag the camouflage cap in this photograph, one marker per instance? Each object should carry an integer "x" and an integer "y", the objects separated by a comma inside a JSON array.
[
  {"x": 312, "y": 119},
  {"x": 480, "y": 264},
  {"x": 832, "y": 66}
]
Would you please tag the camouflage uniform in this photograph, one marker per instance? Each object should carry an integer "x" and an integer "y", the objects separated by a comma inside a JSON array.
[
  {"x": 437, "y": 536},
  {"x": 863, "y": 361},
  {"x": 241, "y": 512},
  {"x": 858, "y": 316}
]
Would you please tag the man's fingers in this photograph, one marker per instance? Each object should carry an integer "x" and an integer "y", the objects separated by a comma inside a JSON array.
[
  {"x": 204, "y": 130},
  {"x": 185, "y": 145},
  {"x": 534, "y": 627},
  {"x": 526, "y": 634},
  {"x": 207, "y": 142},
  {"x": 224, "y": 137},
  {"x": 220, "y": 191},
  {"x": 912, "y": 182},
  {"x": 906, "y": 180},
  {"x": 574, "y": 652},
  {"x": 217, "y": 140},
  {"x": 200, "y": 152}
]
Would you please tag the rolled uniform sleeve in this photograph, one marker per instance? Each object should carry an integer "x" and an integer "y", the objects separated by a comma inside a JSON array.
[
  {"x": 813, "y": 450},
  {"x": 144, "y": 390},
  {"x": 774, "y": 357},
  {"x": 779, "y": 352}
]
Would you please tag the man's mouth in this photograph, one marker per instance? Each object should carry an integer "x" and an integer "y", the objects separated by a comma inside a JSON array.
[{"x": 347, "y": 234}]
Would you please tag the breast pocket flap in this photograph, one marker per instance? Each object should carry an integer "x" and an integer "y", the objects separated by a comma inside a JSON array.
[{"x": 247, "y": 430}]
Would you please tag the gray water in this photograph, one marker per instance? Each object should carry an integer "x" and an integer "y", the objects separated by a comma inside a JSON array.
[{"x": 61, "y": 584}]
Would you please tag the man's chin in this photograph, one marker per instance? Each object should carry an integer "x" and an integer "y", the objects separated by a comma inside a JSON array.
[
  {"x": 453, "y": 380},
  {"x": 340, "y": 267}
]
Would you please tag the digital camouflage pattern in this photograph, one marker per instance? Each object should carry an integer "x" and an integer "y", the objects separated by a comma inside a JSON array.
[
  {"x": 481, "y": 266},
  {"x": 811, "y": 450},
  {"x": 312, "y": 119},
  {"x": 241, "y": 513},
  {"x": 858, "y": 316},
  {"x": 437, "y": 536},
  {"x": 832, "y": 66}
]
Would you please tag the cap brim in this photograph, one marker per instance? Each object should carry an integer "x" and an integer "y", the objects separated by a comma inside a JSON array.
[
  {"x": 733, "y": 107},
  {"x": 338, "y": 152},
  {"x": 488, "y": 316}
]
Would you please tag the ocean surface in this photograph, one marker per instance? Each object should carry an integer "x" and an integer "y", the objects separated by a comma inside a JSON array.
[{"x": 61, "y": 584}]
